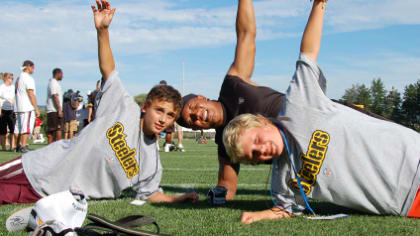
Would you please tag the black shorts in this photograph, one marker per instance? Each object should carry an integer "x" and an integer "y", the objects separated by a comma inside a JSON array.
[
  {"x": 7, "y": 119},
  {"x": 54, "y": 122},
  {"x": 170, "y": 129}
]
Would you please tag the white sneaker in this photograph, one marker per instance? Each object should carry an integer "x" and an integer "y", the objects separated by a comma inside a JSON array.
[
  {"x": 167, "y": 147},
  {"x": 181, "y": 147}
]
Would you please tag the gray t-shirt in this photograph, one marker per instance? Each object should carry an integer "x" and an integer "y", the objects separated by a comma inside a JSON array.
[
  {"x": 106, "y": 157},
  {"x": 341, "y": 155}
]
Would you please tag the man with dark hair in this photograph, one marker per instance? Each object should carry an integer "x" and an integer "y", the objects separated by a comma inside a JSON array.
[
  {"x": 55, "y": 107},
  {"x": 238, "y": 95},
  {"x": 116, "y": 152},
  {"x": 26, "y": 105}
]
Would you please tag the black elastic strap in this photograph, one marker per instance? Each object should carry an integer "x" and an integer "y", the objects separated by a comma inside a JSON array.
[{"x": 124, "y": 225}]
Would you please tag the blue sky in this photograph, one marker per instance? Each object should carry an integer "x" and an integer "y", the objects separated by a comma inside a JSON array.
[{"x": 150, "y": 38}]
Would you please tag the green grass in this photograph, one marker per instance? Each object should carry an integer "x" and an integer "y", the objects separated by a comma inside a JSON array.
[{"x": 197, "y": 169}]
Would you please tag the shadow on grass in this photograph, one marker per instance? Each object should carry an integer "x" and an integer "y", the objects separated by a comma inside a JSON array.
[
  {"x": 320, "y": 208},
  {"x": 204, "y": 191}
]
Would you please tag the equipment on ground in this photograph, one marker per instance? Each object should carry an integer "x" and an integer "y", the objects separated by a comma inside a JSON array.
[{"x": 217, "y": 195}]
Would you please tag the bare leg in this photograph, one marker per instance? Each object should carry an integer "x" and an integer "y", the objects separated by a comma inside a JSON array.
[
  {"x": 58, "y": 135},
  {"x": 24, "y": 139},
  {"x": 17, "y": 140},
  {"x": 50, "y": 137},
  {"x": 12, "y": 142},
  {"x": 168, "y": 141},
  {"x": 3, "y": 142},
  {"x": 180, "y": 146},
  {"x": 169, "y": 137}
]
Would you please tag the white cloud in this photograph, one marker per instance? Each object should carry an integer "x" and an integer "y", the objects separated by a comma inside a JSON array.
[
  {"x": 352, "y": 15},
  {"x": 61, "y": 33}
]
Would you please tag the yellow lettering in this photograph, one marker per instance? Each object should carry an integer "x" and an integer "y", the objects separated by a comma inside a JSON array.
[
  {"x": 125, "y": 155},
  {"x": 312, "y": 161}
]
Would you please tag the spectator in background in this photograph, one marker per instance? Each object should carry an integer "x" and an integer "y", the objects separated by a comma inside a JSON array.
[
  {"x": 7, "y": 103},
  {"x": 38, "y": 137},
  {"x": 54, "y": 107},
  {"x": 91, "y": 102},
  {"x": 70, "y": 105},
  {"x": 82, "y": 113},
  {"x": 26, "y": 106},
  {"x": 169, "y": 133}
]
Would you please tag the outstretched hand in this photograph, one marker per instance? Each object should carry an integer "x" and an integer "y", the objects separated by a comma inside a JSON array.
[
  {"x": 188, "y": 197},
  {"x": 103, "y": 14}
]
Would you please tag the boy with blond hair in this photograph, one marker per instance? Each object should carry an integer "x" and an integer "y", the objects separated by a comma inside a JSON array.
[{"x": 326, "y": 151}]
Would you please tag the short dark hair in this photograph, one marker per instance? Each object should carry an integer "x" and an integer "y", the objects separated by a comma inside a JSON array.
[
  {"x": 27, "y": 63},
  {"x": 56, "y": 71},
  {"x": 165, "y": 93},
  {"x": 163, "y": 82}
]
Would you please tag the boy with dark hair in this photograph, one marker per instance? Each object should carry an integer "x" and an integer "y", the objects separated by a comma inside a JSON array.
[
  {"x": 326, "y": 151},
  {"x": 116, "y": 152}
]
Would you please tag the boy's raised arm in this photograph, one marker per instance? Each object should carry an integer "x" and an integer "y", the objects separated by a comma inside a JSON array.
[
  {"x": 246, "y": 30},
  {"x": 103, "y": 16},
  {"x": 311, "y": 41}
]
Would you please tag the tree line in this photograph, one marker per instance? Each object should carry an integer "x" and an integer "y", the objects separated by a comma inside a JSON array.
[{"x": 403, "y": 108}]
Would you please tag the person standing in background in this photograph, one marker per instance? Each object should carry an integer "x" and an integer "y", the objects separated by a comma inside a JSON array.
[
  {"x": 26, "y": 106},
  {"x": 169, "y": 133},
  {"x": 91, "y": 102},
  {"x": 70, "y": 106},
  {"x": 54, "y": 107},
  {"x": 7, "y": 103}
]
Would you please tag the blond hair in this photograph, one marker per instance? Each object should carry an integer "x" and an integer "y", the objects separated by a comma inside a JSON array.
[
  {"x": 4, "y": 75},
  {"x": 235, "y": 129}
]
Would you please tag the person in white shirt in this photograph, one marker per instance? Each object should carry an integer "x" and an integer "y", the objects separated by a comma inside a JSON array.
[
  {"x": 7, "y": 104},
  {"x": 26, "y": 105},
  {"x": 55, "y": 107}
]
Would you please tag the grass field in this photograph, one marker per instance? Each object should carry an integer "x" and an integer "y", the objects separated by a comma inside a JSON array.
[{"x": 197, "y": 169}]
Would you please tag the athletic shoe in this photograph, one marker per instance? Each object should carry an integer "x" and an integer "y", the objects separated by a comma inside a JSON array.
[
  {"x": 24, "y": 149},
  {"x": 16, "y": 149},
  {"x": 181, "y": 147}
]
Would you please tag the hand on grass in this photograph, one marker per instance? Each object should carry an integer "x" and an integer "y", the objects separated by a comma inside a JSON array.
[
  {"x": 103, "y": 15},
  {"x": 274, "y": 213},
  {"x": 188, "y": 197}
]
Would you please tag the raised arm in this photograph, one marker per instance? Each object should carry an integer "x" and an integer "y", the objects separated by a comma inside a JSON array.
[
  {"x": 103, "y": 16},
  {"x": 246, "y": 31},
  {"x": 311, "y": 41}
]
